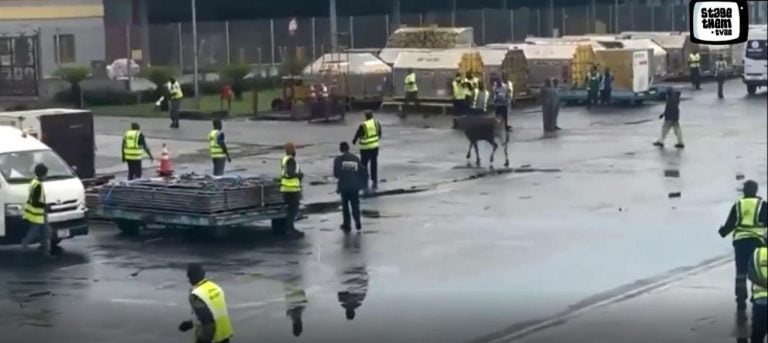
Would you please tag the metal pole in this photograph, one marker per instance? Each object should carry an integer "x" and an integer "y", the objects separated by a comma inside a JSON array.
[
  {"x": 386, "y": 24},
  {"x": 512, "y": 25},
  {"x": 673, "y": 18},
  {"x": 128, "y": 59},
  {"x": 564, "y": 17},
  {"x": 194, "y": 55},
  {"x": 453, "y": 12},
  {"x": 226, "y": 35},
  {"x": 609, "y": 27},
  {"x": 421, "y": 19},
  {"x": 616, "y": 17},
  {"x": 352, "y": 32},
  {"x": 482, "y": 25},
  {"x": 334, "y": 29},
  {"x": 314, "y": 43},
  {"x": 57, "y": 53},
  {"x": 552, "y": 18},
  {"x": 594, "y": 17},
  {"x": 653, "y": 18},
  {"x": 181, "y": 49},
  {"x": 272, "y": 41},
  {"x": 586, "y": 27},
  {"x": 632, "y": 15},
  {"x": 538, "y": 22}
]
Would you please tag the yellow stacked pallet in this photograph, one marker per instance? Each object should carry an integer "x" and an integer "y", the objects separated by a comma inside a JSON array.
[
  {"x": 583, "y": 60},
  {"x": 472, "y": 62},
  {"x": 515, "y": 68}
]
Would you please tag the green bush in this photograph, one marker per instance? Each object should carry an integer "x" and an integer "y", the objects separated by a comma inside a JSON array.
[
  {"x": 74, "y": 74},
  {"x": 235, "y": 75},
  {"x": 102, "y": 97},
  {"x": 158, "y": 75},
  {"x": 293, "y": 66}
]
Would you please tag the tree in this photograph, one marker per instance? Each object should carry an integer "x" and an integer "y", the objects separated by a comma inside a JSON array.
[
  {"x": 235, "y": 74},
  {"x": 74, "y": 74}
]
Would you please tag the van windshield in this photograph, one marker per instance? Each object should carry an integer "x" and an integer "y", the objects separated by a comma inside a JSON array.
[
  {"x": 757, "y": 50},
  {"x": 19, "y": 167}
]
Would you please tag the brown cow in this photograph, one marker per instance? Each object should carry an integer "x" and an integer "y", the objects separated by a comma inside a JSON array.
[{"x": 484, "y": 128}]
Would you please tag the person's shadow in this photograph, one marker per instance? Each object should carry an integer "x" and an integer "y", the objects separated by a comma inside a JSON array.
[
  {"x": 296, "y": 302},
  {"x": 354, "y": 279}
]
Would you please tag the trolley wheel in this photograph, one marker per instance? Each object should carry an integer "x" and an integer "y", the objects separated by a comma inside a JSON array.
[
  {"x": 129, "y": 227},
  {"x": 751, "y": 89}
]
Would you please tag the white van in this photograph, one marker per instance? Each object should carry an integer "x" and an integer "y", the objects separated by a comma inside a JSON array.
[
  {"x": 19, "y": 153},
  {"x": 756, "y": 59}
]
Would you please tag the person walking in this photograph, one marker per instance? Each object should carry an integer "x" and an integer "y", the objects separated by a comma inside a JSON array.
[
  {"x": 555, "y": 103},
  {"x": 411, "y": 92},
  {"x": 694, "y": 66},
  {"x": 218, "y": 148},
  {"x": 501, "y": 102},
  {"x": 593, "y": 85},
  {"x": 134, "y": 147},
  {"x": 545, "y": 98},
  {"x": 721, "y": 72},
  {"x": 173, "y": 89},
  {"x": 212, "y": 323},
  {"x": 36, "y": 212},
  {"x": 758, "y": 274},
  {"x": 747, "y": 222},
  {"x": 349, "y": 172},
  {"x": 459, "y": 106},
  {"x": 369, "y": 134},
  {"x": 671, "y": 117},
  {"x": 606, "y": 87},
  {"x": 290, "y": 185}
]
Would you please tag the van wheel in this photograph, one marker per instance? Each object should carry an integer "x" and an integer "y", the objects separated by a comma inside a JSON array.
[
  {"x": 751, "y": 89},
  {"x": 129, "y": 227}
]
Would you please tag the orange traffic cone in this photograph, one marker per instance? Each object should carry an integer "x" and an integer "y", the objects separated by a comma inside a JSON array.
[{"x": 166, "y": 169}]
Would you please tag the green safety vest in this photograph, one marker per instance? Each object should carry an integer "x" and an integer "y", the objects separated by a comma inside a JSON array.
[
  {"x": 213, "y": 297},
  {"x": 747, "y": 212},
  {"x": 32, "y": 214},
  {"x": 410, "y": 83},
  {"x": 131, "y": 150},
  {"x": 760, "y": 263},
  {"x": 370, "y": 139},
  {"x": 213, "y": 145},
  {"x": 288, "y": 184},
  {"x": 458, "y": 89},
  {"x": 174, "y": 89},
  {"x": 694, "y": 60}
]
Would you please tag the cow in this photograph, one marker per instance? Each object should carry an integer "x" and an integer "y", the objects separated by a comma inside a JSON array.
[{"x": 484, "y": 128}]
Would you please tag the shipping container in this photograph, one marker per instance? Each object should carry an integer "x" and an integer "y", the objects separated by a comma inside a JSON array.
[
  {"x": 390, "y": 55},
  {"x": 630, "y": 68},
  {"x": 67, "y": 132},
  {"x": 677, "y": 45},
  {"x": 364, "y": 78},
  {"x": 435, "y": 70}
]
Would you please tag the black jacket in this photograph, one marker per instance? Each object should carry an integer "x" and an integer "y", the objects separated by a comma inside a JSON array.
[
  {"x": 350, "y": 173},
  {"x": 672, "y": 108}
]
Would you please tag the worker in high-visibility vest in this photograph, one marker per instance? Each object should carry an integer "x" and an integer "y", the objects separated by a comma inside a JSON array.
[
  {"x": 175, "y": 94},
  {"x": 480, "y": 101},
  {"x": 36, "y": 212},
  {"x": 411, "y": 92},
  {"x": 758, "y": 274},
  {"x": 134, "y": 147},
  {"x": 747, "y": 221},
  {"x": 459, "y": 101},
  {"x": 369, "y": 135},
  {"x": 290, "y": 186},
  {"x": 212, "y": 323},
  {"x": 218, "y": 148},
  {"x": 694, "y": 65}
]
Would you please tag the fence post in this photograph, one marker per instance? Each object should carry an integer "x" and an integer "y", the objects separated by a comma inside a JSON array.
[
  {"x": 386, "y": 24},
  {"x": 482, "y": 25},
  {"x": 226, "y": 35},
  {"x": 586, "y": 27},
  {"x": 632, "y": 15},
  {"x": 674, "y": 19},
  {"x": 351, "y": 32},
  {"x": 538, "y": 22},
  {"x": 609, "y": 24},
  {"x": 314, "y": 42},
  {"x": 195, "y": 69},
  {"x": 334, "y": 29},
  {"x": 512, "y": 25},
  {"x": 181, "y": 48},
  {"x": 128, "y": 47},
  {"x": 653, "y": 18},
  {"x": 564, "y": 17},
  {"x": 272, "y": 42},
  {"x": 552, "y": 18},
  {"x": 453, "y": 13}
]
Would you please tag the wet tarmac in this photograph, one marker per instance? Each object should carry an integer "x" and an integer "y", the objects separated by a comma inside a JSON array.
[{"x": 472, "y": 255}]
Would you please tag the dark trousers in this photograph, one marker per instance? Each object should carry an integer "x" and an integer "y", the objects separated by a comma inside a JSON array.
[
  {"x": 696, "y": 78},
  {"x": 743, "y": 249},
  {"x": 292, "y": 201},
  {"x": 605, "y": 96},
  {"x": 458, "y": 107},
  {"x": 134, "y": 169},
  {"x": 591, "y": 97},
  {"x": 502, "y": 111},
  {"x": 350, "y": 199},
  {"x": 410, "y": 98},
  {"x": 720, "y": 81},
  {"x": 218, "y": 166},
  {"x": 371, "y": 156},
  {"x": 173, "y": 112},
  {"x": 759, "y": 323}
]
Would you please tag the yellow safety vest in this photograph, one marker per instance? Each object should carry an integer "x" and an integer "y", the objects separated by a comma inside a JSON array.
[
  {"x": 213, "y": 145},
  {"x": 749, "y": 226},
  {"x": 32, "y": 214},
  {"x": 213, "y": 297},
  {"x": 410, "y": 83},
  {"x": 175, "y": 90},
  {"x": 131, "y": 150},
  {"x": 694, "y": 60},
  {"x": 370, "y": 139},
  {"x": 474, "y": 81},
  {"x": 760, "y": 263},
  {"x": 289, "y": 184},
  {"x": 458, "y": 89}
]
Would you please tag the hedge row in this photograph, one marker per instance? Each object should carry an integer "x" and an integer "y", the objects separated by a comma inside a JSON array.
[{"x": 104, "y": 97}]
